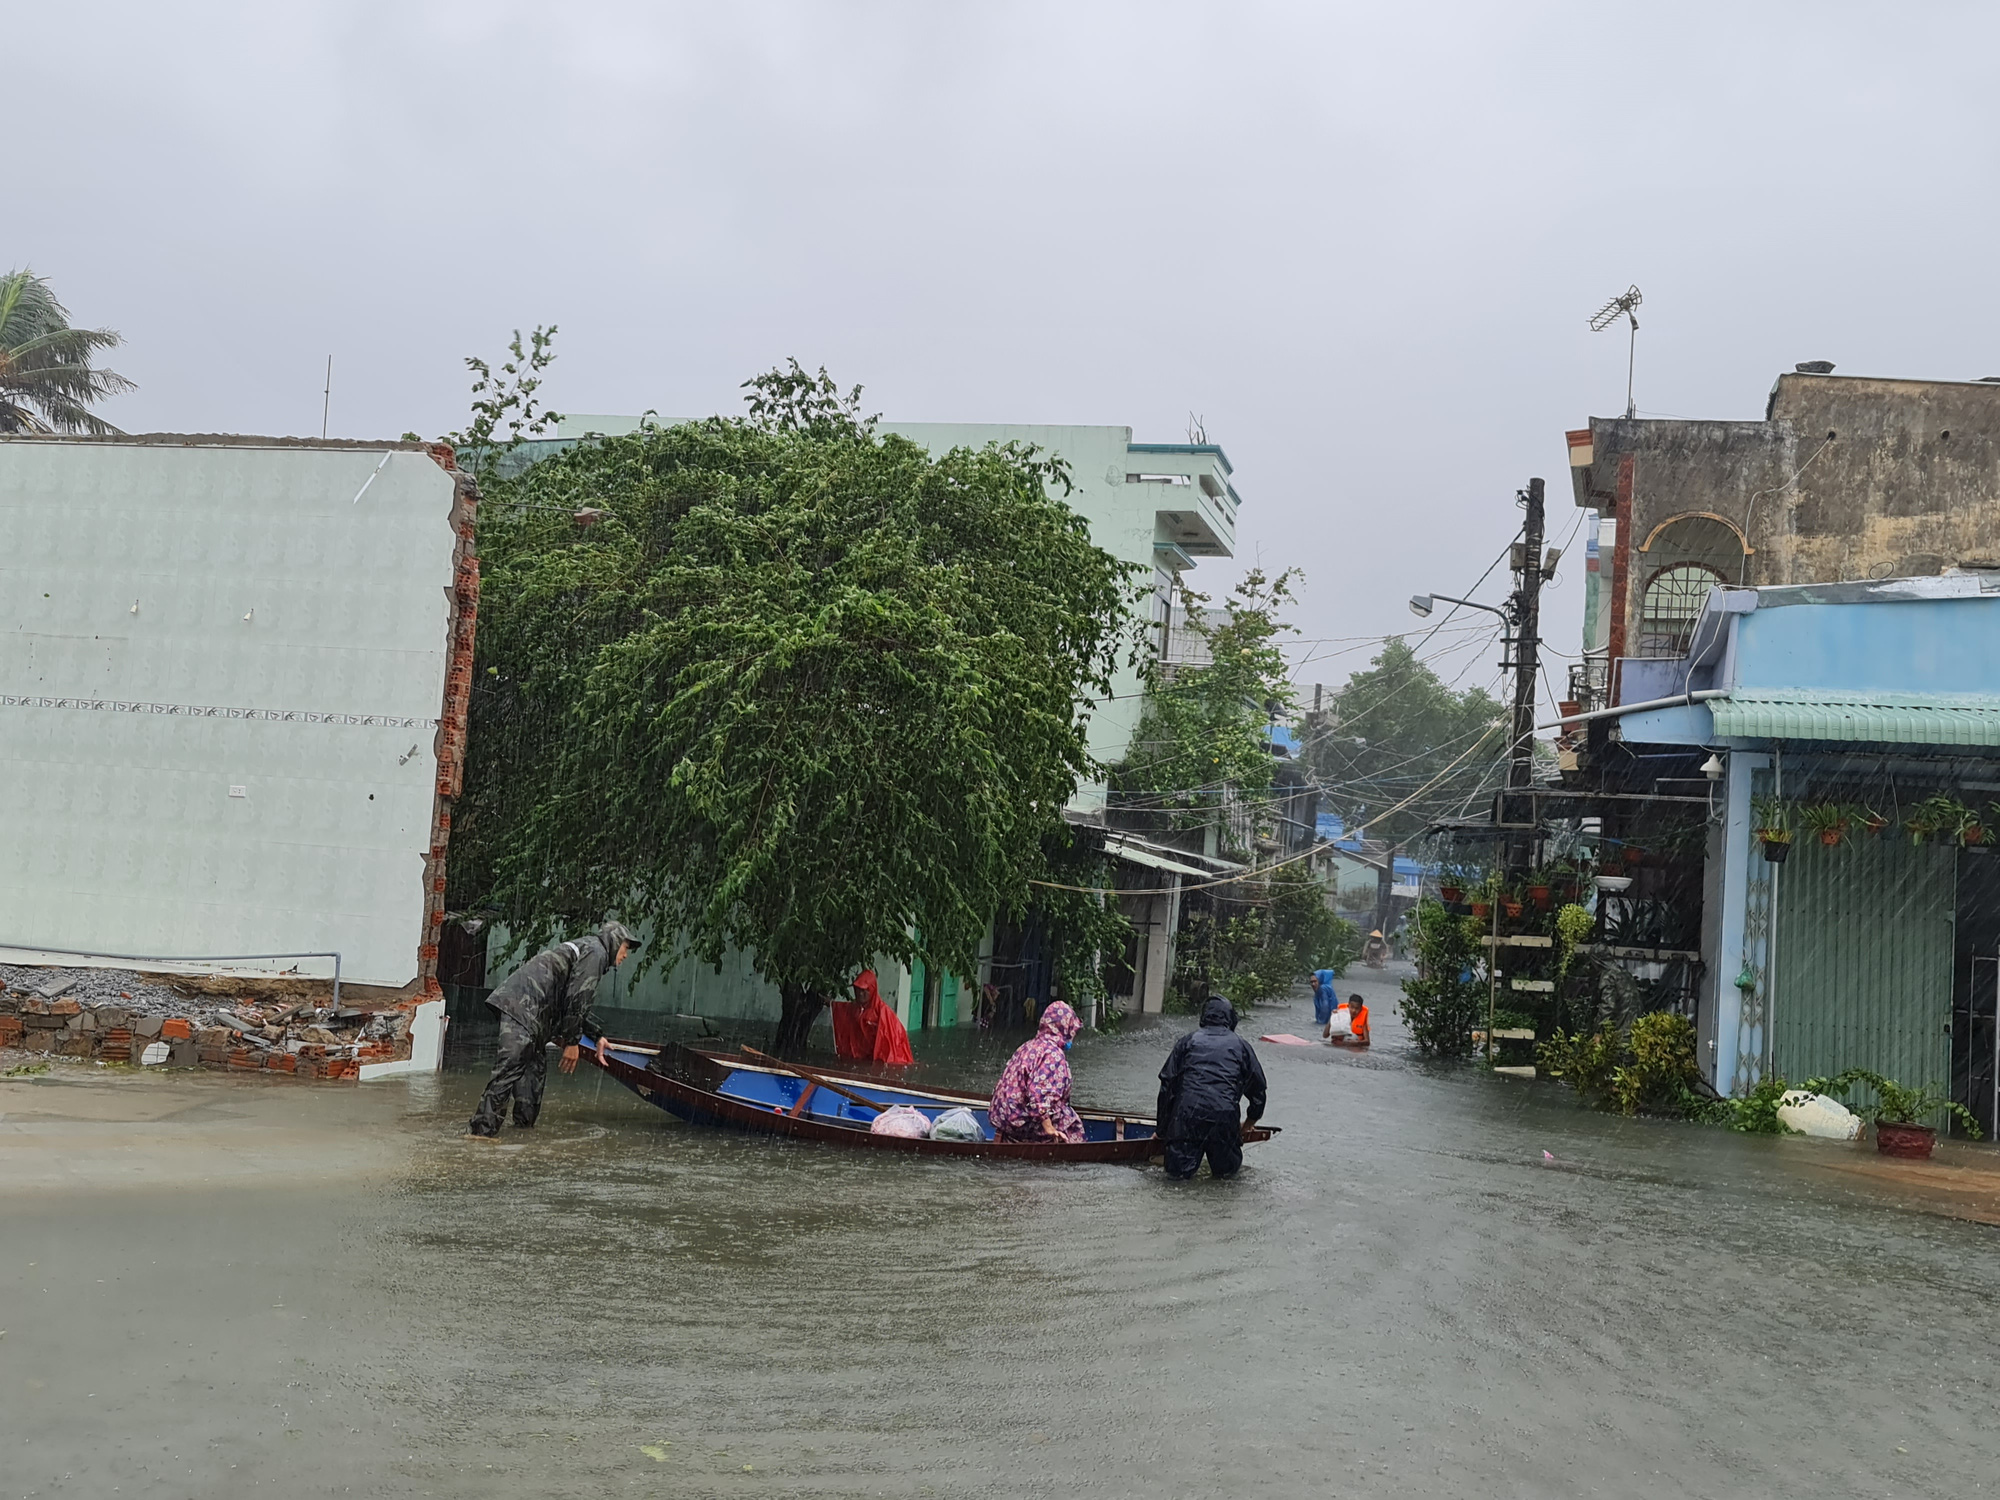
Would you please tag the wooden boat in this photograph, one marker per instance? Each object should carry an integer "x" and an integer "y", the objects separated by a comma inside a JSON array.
[{"x": 764, "y": 1097}]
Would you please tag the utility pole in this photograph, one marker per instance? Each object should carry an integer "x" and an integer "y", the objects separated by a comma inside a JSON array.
[{"x": 1527, "y": 615}]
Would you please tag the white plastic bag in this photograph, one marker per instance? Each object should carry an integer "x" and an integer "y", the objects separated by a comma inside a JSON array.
[
  {"x": 1341, "y": 1023},
  {"x": 1817, "y": 1115},
  {"x": 901, "y": 1119},
  {"x": 959, "y": 1124}
]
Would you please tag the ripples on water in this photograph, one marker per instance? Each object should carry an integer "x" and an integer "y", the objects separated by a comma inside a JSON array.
[{"x": 1400, "y": 1296}]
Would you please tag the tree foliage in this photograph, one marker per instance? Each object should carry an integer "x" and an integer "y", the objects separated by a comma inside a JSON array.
[
  {"x": 795, "y": 689},
  {"x": 1203, "y": 734},
  {"x": 1259, "y": 937},
  {"x": 505, "y": 396},
  {"x": 1393, "y": 731},
  {"x": 48, "y": 381}
]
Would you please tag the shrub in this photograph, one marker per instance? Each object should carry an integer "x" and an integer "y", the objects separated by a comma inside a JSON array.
[
  {"x": 1648, "y": 1069},
  {"x": 1587, "y": 1061},
  {"x": 1447, "y": 998}
]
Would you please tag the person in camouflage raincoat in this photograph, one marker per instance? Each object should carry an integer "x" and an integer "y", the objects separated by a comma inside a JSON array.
[{"x": 546, "y": 1002}]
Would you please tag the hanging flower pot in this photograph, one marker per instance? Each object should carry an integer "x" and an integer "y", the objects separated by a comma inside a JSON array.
[
  {"x": 1633, "y": 856},
  {"x": 1777, "y": 844},
  {"x": 1974, "y": 836},
  {"x": 1828, "y": 820}
]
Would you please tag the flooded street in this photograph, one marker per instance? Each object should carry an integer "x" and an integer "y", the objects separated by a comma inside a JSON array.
[{"x": 216, "y": 1287}]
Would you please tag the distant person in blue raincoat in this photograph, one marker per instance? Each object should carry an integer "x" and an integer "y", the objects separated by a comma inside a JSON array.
[{"x": 1324, "y": 998}]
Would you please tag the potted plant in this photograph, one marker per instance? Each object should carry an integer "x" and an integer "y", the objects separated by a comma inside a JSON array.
[
  {"x": 1774, "y": 829},
  {"x": 1897, "y": 1111},
  {"x": 1870, "y": 819},
  {"x": 1828, "y": 820},
  {"x": 1633, "y": 854},
  {"x": 1482, "y": 897},
  {"x": 1451, "y": 883},
  {"x": 1974, "y": 831},
  {"x": 1539, "y": 889},
  {"x": 1510, "y": 900},
  {"x": 1942, "y": 813}
]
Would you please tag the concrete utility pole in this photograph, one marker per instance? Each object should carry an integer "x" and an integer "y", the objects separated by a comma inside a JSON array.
[{"x": 1527, "y": 615}]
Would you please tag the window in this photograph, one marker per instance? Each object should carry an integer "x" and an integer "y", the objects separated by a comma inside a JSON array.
[
  {"x": 1674, "y": 600},
  {"x": 1681, "y": 561}
]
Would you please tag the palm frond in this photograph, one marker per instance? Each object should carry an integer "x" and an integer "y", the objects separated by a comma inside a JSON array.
[{"x": 47, "y": 380}]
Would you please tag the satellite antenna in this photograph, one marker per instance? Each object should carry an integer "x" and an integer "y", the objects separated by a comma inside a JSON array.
[{"x": 1604, "y": 317}]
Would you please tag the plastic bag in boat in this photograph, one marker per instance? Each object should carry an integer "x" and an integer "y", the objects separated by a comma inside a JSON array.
[
  {"x": 901, "y": 1119},
  {"x": 959, "y": 1124}
]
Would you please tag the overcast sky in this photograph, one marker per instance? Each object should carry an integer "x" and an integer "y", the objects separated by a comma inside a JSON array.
[{"x": 1361, "y": 241}]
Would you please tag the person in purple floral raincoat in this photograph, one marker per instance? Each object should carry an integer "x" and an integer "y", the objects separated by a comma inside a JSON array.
[{"x": 1031, "y": 1100}]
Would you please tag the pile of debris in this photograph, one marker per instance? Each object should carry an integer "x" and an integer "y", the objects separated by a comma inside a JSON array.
[{"x": 117, "y": 1016}]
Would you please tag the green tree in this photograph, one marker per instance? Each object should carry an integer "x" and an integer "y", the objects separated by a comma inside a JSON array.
[
  {"x": 47, "y": 379},
  {"x": 783, "y": 685},
  {"x": 1396, "y": 730},
  {"x": 1203, "y": 735},
  {"x": 1261, "y": 936}
]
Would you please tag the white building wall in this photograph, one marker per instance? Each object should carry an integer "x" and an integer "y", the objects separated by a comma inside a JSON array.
[{"x": 222, "y": 667}]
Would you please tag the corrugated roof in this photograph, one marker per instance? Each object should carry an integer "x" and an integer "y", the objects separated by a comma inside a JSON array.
[{"x": 1877, "y": 718}]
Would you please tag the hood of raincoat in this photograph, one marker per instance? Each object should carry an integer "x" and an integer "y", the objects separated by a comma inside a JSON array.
[
  {"x": 1060, "y": 1022},
  {"x": 1218, "y": 1012},
  {"x": 612, "y": 935},
  {"x": 865, "y": 987}
]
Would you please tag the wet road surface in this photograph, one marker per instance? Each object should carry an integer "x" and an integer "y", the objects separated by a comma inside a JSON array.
[{"x": 219, "y": 1287}]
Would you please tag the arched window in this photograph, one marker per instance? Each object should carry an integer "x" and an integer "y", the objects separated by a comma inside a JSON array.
[
  {"x": 1674, "y": 600},
  {"x": 1685, "y": 557}
]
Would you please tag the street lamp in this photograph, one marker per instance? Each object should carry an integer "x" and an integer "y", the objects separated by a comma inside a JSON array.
[{"x": 1422, "y": 604}]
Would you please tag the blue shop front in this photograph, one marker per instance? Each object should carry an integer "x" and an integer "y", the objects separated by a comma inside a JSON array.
[{"x": 1850, "y": 912}]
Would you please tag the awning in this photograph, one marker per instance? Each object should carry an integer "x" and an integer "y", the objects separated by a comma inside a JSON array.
[
  {"x": 1138, "y": 852},
  {"x": 1874, "y": 718}
]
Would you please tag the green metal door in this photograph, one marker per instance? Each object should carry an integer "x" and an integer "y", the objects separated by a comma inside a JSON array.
[{"x": 1864, "y": 965}]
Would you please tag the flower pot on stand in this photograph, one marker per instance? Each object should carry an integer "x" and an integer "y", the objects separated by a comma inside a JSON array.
[
  {"x": 1482, "y": 909},
  {"x": 1512, "y": 908},
  {"x": 1915, "y": 1142},
  {"x": 1539, "y": 894},
  {"x": 1452, "y": 892}
]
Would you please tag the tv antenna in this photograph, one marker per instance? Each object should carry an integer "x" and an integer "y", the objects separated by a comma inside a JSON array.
[{"x": 1604, "y": 317}]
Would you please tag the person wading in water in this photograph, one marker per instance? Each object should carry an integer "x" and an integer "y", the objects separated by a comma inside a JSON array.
[
  {"x": 546, "y": 1001},
  {"x": 1206, "y": 1073}
]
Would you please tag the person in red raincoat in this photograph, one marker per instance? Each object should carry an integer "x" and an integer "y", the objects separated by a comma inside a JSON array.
[{"x": 866, "y": 1030}]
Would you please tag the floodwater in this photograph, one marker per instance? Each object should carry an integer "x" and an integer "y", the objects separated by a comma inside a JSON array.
[{"x": 220, "y": 1287}]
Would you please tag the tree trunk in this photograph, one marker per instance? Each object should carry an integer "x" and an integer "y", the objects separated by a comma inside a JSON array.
[{"x": 795, "y": 1021}]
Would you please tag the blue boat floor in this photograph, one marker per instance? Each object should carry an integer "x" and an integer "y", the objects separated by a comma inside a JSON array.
[{"x": 776, "y": 1091}]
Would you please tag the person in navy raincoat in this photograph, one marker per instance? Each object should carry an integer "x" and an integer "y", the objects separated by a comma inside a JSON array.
[{"x": 1208, "y": 1071}]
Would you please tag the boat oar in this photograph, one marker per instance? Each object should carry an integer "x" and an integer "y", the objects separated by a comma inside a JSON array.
[{"x": 814, "y": 1078}]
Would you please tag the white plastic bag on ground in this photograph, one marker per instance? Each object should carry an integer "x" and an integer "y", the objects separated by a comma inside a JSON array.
[
  {"x": 959, "y": 1124},
  {"x": 901, "y": 1119},
  {"x": 1817, "y": 1115}
]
